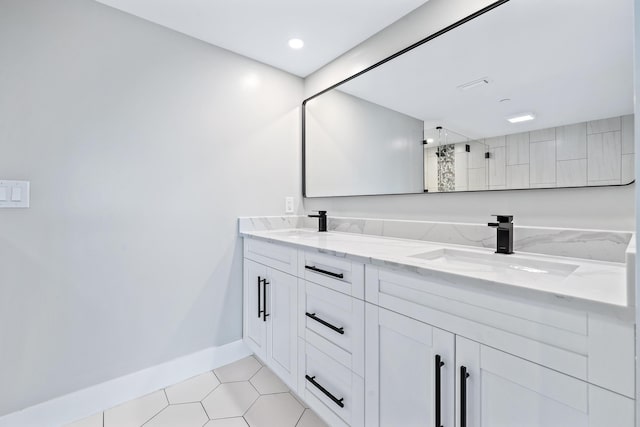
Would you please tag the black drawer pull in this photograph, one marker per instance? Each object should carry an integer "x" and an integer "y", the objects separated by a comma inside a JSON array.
[
  {"x": 264, "y": 300},
  {"x": 262, "y": 312},
  {"x": 438, "y": 381},
  {"x": 324, "y": 390},
  {"x": 328, "y": 273},
  {"x": 259, "y": 297},
  {"x": 325, "y": 323},
  {"x": 463, "y": 396}
]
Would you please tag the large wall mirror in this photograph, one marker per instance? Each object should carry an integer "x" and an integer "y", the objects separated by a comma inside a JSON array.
[{"x": 523, "y": 94}]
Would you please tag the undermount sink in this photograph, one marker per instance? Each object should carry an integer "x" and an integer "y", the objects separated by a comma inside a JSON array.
[
  {"x": 462, "y": 260},
  {"x": 298, "y": 232}
]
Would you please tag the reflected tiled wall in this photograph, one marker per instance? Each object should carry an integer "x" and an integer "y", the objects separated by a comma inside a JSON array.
[{"x": 599, "y": 152}]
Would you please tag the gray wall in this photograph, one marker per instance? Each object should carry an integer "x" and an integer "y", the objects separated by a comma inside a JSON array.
[
  {"x": 142, "y": 146},
  {"x": 600, "y": 208},
  {"x": 358, "y": 147}
]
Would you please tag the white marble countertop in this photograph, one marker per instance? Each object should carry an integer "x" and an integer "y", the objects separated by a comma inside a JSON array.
[{"x": 582, "y": 284}]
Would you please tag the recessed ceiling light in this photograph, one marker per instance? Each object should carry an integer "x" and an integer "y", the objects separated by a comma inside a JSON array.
[
  {"x": 296, "y": 44},
  {"x": 474, "y": 84},
  {"x": 525, "y": 117}
]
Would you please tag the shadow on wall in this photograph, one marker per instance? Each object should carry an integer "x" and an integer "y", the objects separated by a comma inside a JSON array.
[{"x": 220, "y": 294}]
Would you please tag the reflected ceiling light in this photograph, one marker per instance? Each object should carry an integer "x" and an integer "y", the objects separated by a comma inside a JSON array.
[
  {"x": 250, "y": 81},
  {"x": 296, "y": 44},
  {"x": 524, "y": 117},
  {"x": 474, "y": 84},
  {"x": 430, "y": 140}
]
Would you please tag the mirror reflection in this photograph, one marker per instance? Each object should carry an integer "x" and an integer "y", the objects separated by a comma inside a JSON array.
[{"x": 530, "y": 94}]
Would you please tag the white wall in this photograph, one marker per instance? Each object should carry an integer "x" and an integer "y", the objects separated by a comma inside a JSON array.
[
  {"x": 358, "y": 147},
  {"x": 600, "y": 208},
  {"x": 636, "y": 98},
  {"x": 142, "y": 146}
]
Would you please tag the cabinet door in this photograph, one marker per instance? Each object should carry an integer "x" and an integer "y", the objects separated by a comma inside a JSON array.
[
  {"x": 282, "y": 331},
  {"x": 401, "y": 371},
  {"x": 503, "y": 390},
  {"x": 254, "y": 326}
]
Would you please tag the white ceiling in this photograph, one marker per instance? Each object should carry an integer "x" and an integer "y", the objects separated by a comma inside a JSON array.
[
  {"x": 565, "y": 61},
  {"x": 260, "y": 29}
]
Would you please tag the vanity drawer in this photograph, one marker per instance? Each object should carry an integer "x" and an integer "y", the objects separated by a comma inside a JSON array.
[
  {"x": 335, "y": 273},
  {"x": 276, "y": 256},
  {"x": 334, "y": 323},
  {"x": 330, "y": 388}
]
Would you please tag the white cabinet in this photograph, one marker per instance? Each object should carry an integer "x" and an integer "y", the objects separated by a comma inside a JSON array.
[
  {"x": 282, "y": 328},
  {"x": 331, "y": 328},
  {"x": 304, "y": 317},
  {"x": 410, "y": 372},
  {"x": 409, "y": 350},
  {"x": 270, "y": 318},
  {"x": 591, "y": 347},
  {"x": 496, "y": 389},
  {"x": 254, "y": 325},
  {"x": 420, "y": 375}
]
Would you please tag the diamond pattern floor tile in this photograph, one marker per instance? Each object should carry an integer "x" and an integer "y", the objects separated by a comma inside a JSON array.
[
  {"x": 136, "y": 412},
  {"x": 242, "y": 370},
  {"x": 266, "y": 382},
  {"x": 242, "y": 394},
  {"x": 274, "y": 410},
  {"x": 227, "y": 422},
  {"x": 183, "y": 415},
  {"x": 310, "y": 419},
  {"x": 192, "y": 390},
  {"x": 230, "y": 400}
]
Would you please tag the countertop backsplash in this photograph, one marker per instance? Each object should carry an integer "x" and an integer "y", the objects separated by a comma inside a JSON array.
[{"x": 601, "y": 245}]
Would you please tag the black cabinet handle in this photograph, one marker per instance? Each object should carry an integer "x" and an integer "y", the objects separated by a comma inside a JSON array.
[
  {"x": 259, "y": 296},
  {"x": 438, "y": 381},
  {"x": 463, "y": 396},
  {"x": 325, "y": 323},
  {"x": 324, "y": 390},
  {"x": 264, "y": 300},
  {"x": 321, "y": 271}
]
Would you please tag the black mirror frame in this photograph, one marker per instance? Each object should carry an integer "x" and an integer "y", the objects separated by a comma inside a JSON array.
[{"x": 385, "y": 60}]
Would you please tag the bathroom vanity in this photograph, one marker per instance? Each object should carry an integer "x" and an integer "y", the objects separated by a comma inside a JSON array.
[{"x": 387, "y": 331}]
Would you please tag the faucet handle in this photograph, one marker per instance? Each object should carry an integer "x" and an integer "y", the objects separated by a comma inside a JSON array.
[
  {"x": 320, "y": 214},
  {"x": 504, "y": 218}
]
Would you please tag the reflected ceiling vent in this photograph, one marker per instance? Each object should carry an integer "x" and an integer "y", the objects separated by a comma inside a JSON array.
[{"x": 475, "y": 84}]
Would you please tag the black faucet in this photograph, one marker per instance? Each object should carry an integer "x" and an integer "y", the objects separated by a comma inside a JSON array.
[
  {"x": 322, "y": 220},
  {"x": 505, "y": 233}
]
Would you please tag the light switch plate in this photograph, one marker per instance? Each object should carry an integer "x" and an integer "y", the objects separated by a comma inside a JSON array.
[
  {"x": 16, "y": 195},
  {"x": 288, "y": 205}
]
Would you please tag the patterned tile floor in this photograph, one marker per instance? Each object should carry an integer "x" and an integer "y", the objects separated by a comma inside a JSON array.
[{"x": 241, "y": 394}]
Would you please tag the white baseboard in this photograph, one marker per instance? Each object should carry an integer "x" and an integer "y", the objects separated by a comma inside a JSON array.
[{"x": 97, "y": 398}]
